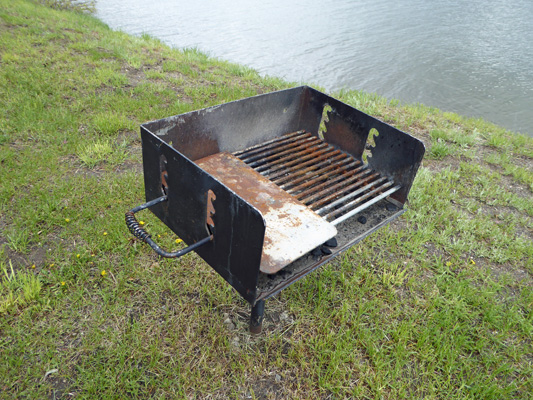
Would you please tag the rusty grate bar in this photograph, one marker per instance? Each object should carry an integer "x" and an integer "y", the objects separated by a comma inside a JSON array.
[
  {"x": 336, "y": 191},
  {"x": 308, "y": 167},
  {"x": 298, "y": 165},
  {"x": 275, "y": 149},
  {"x": 333, "y": 169},
  {"x": 333, "y": 184},
  {"x": 271, "y": 143},
  {"x": 371, "y": 187},
  {"x": 293, "y": 158},
  {"x": 329, "y": 177},
  {"x": 288, "y": 152}
]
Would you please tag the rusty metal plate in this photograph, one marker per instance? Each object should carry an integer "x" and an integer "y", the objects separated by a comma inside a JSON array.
[{"x": 292, "y": 229}]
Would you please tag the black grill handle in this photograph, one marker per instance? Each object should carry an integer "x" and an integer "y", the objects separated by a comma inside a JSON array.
[{"x": 137, "y": 231}]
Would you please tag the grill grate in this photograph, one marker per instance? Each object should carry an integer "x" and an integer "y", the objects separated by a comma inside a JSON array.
[{"x": 332, "y": 183}]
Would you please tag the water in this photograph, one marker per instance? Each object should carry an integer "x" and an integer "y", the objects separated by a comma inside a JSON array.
[{"x": 474, "y": 57}]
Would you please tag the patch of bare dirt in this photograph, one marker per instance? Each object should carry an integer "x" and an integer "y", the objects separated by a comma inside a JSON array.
[
  {"x": 268, "y": 388},
  {"x": 439, "y": 165},
  {"x": 59, "y": 388},
  {"x": 37, "y": 256},
  {"x": 515, "y": 187},
  {"x": 135, "y": 75},
  {"x": 518, "y": 274}
]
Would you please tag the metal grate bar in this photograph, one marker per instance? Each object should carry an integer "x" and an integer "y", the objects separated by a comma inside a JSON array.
[
  {"x": 269, "y": 143},
  {"x": 294, "y": 159},
  {"x": 333, "y": 192},
  {"x": 288, "y": 172},
  {"x": 334, "y": 168},
  {"x": 337, "y": 181},
  {"x": 364, "y": 206},
  {"x": 286, "y": 154},
  {"x": 276, "y": 148},
  {"x": 311, "y": 185},
  {"x": 354, "y": 194}
]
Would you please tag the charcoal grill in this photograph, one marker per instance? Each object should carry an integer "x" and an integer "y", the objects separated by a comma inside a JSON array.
[{"x": 269, "y": 188}]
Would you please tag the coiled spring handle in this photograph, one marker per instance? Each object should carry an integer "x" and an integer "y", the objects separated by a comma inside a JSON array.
[{"x": 137, "y": 231}]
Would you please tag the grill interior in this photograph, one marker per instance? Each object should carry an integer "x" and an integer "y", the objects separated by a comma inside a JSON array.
[{"x": 332, "y": 183}]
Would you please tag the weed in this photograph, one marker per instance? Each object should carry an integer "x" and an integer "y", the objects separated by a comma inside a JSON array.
[
  {"x": 102, "y": 150},
  {"x": 437, "y": 134},
  {"x": 111, "y": 123},
  {"x": 18, "y": 240},
  {"x": 17, "y": 289},
  {"x": 439, "y": 150},
  {"x": 393, "y": 276},
  {"x": 497, "y": 140},
  {"x": 170, "y": 66}
]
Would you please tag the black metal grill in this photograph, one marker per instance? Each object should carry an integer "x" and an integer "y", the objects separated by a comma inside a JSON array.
[{"x": 262, "y": 206}]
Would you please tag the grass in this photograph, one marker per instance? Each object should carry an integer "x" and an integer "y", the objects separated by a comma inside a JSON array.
[
  {"x": 438, "y": 305},
  {"x": 17, "y": 290},
  {"x": 100, "y": 151}
]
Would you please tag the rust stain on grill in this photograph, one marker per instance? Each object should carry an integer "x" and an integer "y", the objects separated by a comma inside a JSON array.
[
  {"x": 314, "y": 169},
  {"x": 210, "y": 209},
  {"x": 287, "y": 153},
  {"x": 335, "y": 168},
  {"x": 311, "y": 184},
  {"x": 289, "y": 161}
]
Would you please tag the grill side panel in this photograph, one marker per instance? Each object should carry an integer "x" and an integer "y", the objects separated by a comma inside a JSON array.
[
  {"x": 398, "y": 156},
  {"x": 239, "y": 229}
]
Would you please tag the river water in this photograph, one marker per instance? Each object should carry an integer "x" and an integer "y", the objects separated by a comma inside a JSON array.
[{"x": 473, "y": 57}]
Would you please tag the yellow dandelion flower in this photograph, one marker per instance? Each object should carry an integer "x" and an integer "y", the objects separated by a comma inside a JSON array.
[
  {"x": 178, "y": 241},
  {"x": 141, "y": 222},
  {"x": 472, "y": 262},
  {"x": 51, "y": 265},
  {"x": 33, "y": 266},
  {"x": 103, "y": 273},
  {"x": 105, "y": 233},
  {"x": 67, "y": 219},
  {"x": 63, "y": 283},
  {"x": 449, "y": 264},
  {"x": 78, "y": 255}
]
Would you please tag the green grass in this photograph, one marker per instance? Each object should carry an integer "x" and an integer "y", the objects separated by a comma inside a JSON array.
[
  {"x": 437, "y": 305},
  {"x": 17, "y": 289}
]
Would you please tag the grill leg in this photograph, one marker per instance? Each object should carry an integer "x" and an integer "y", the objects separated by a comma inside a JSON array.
[{"x": 256, "y": 317}]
